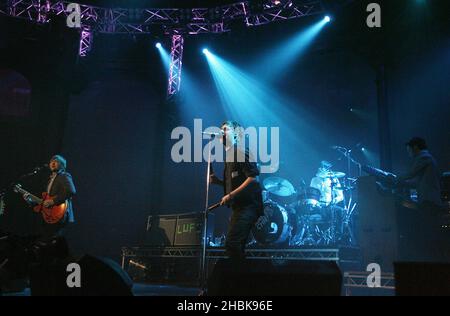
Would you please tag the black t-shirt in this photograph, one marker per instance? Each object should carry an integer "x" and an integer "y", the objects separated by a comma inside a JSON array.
[{"x": 236, "y": 171}]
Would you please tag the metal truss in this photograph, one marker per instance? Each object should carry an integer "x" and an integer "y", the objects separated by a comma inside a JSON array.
[
  {"x": 176, "y": 62},
  {"x": 188, "y": 21},
  {"x": 86, "y": 40},
  {"x": 217, "y": 253},
  {"x": 172, "y": 21},
  {"x": 359, "y": 280},
  {"x": 284, "y": 11},
  {"x": 295, "y": 254}
]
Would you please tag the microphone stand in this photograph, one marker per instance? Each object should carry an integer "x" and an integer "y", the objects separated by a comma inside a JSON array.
[
  {"x": 205, "y": 222},
  {"x": 22, "y": 177}
]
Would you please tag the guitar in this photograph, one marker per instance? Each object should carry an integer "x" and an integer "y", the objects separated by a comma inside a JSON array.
[{"x": 51, "y": 214}]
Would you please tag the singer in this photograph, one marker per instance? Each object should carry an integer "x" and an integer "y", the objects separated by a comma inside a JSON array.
[
  {"x": 242, "y": 191},
  {"x": 60, "y": 186}
]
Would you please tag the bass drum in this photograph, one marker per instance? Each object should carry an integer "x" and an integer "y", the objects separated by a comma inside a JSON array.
[{"x": 274, "y": 227}]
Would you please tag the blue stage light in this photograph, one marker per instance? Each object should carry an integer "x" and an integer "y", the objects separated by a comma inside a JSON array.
[
  {"x": 205, "y": 51},
  {"x": 327, "y": 19},
  {"x": 158, "y": 45}
]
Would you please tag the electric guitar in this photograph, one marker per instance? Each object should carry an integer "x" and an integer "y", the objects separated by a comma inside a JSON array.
[{"x": 52, "y": 214}]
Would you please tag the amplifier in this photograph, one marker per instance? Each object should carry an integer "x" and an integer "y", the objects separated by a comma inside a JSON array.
[
  {"x": 177, "y": 230},
  {"x": 189, "y": 229},
  {"x": 160, "y": 230}
]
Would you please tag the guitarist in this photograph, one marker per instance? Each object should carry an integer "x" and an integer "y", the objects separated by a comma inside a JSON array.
[{"x": 60, "y": 186}]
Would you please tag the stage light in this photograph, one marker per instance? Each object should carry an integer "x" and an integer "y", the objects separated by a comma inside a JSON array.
[
  {"x": 351, "y": 109},
  {"x": 205, "y": 51},
  {"x": 165, "y": 56},
  {"x": 286, "y": 53},
  {"x": 363, "y": 149},
  {"x": 327, "y": 19},
  {"x": 253, "y": 102}
]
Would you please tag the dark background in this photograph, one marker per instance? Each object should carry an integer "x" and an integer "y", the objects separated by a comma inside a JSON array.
[{"x": 108, "y": 113}]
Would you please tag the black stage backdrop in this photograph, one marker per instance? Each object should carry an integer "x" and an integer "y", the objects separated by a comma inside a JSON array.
[{"x": 108, "y": 114}]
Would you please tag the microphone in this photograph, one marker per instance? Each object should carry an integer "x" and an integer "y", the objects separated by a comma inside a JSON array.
[
  {"x": 212, "y": 133},
  {"x": 37, "y": 169},
  {"x": 34, "y": 172}
]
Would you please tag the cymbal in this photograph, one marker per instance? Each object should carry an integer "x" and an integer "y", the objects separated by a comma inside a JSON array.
[
  {"x": 331, "y": 174},
  {"x": 279, "y": 186}
]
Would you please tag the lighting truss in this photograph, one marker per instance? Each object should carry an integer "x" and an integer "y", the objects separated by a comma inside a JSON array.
[
  {"x": 85, "y": 40},
  {"x": 190, "y": 21},
  {"x": 176, "y": 61},
  {"x": 174, "y": 22}
]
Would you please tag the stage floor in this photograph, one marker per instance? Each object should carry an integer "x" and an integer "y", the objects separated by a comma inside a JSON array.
[
  {"x": 141, "y": 289},
  {"x": 145, "y": 289}
]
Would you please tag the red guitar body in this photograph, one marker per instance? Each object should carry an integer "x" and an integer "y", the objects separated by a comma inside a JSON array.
[{"x": 51, "y": 214}]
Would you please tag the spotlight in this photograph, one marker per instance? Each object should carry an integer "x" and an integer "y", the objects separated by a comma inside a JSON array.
[
  {"x": 327, "y": 19},
  {"x": 205, "y": 51},
  {"x": 351, "y": 109},
  {"x": 363, "y": 149},
  {"x": 158, "y": 45}
]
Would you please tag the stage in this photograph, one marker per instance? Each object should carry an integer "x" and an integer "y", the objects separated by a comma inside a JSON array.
[{"x": 303, "y": 135}]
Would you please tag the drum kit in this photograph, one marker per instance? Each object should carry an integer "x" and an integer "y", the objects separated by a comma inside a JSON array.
[{"x": 297, "y": 216}]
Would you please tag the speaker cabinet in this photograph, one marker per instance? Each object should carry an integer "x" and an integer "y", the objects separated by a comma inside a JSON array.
[
  {"x": 378, "y": 232},
  {"x": 422, "y": 279},
  {"x": 277, "y": 278}
]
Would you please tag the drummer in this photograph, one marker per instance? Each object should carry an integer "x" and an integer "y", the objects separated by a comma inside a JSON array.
[{"x": 328, "y": 184}]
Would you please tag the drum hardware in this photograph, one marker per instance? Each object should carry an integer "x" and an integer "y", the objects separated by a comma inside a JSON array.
[
  {"x": 346, "y": 229},
  {"x": 297, "y": 217}
]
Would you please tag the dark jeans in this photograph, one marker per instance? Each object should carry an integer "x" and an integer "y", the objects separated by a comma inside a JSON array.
[
  {"x": 49, "y": 231},
  {"x": 433, "y": 243},
  {"x": 242, "y": 221}
]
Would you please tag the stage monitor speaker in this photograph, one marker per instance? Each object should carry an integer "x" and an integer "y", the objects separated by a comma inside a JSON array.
[
  {"x": 189, "y": 229},
  {"x": 272, "y": 278},
  {"x": 177, "y": 230},
  {"x": 98, "y": 277},
  {"x": 161, "y": 230},
  {"x": 422, "y": 279},
  {"x": 377, "y": 223}
]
